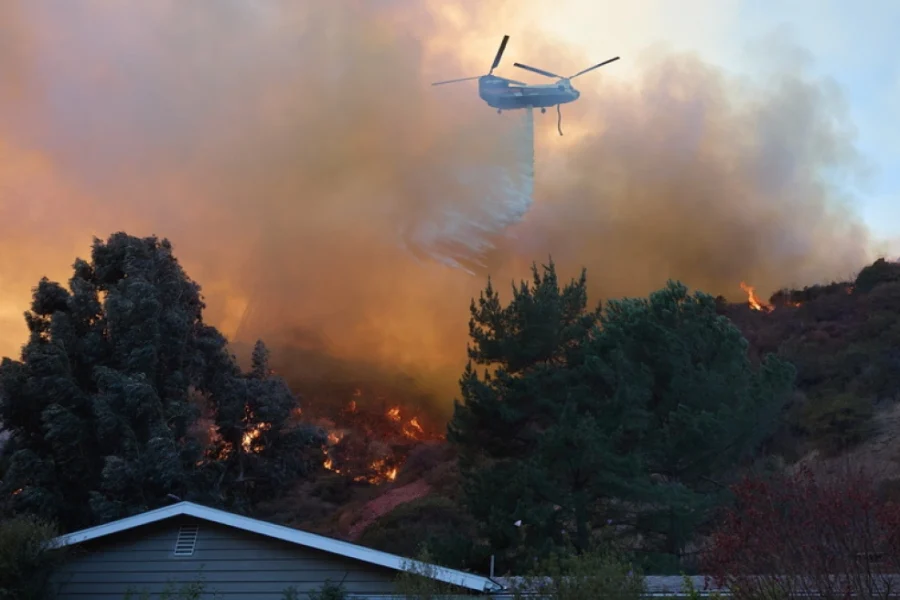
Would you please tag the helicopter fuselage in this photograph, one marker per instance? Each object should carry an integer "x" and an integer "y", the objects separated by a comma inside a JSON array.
[{"x": 500, "y": 94}]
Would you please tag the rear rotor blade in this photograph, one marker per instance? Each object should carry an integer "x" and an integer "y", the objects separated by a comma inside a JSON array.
[
  {"x": 538, "y": 71},
  {"x": 456, "y": 80},
  {"x": 499, "y": 54},
  {"x": 597, "y": 66}
]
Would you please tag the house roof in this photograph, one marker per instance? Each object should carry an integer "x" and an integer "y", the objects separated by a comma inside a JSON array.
[{"x": 286, "y": 534}]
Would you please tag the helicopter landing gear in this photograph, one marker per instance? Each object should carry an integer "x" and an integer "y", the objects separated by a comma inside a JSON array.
[{"x": 543, "y": 110}]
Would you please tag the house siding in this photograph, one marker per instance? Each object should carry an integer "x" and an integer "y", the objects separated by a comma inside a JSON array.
[{"x": 231, "y": 564}]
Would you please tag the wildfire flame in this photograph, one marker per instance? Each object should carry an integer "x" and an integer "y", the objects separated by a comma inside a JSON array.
[
  {"x": 413, "y": 430},
  {"x": 753, "y": 300},
  {"x": 382, "y": 473},
  {"x": 365, "y": 446},
  {"x": 252, "y": 434},
  {"x": 395, "y": 431}
]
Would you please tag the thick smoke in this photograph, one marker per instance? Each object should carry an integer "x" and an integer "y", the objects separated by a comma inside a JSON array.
[
  {"x": 690, "y": 175},
  {"x": 305, "y": 170}
]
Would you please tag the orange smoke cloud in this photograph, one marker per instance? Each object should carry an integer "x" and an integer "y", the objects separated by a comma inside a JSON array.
[{"x": 291, "y": 152}]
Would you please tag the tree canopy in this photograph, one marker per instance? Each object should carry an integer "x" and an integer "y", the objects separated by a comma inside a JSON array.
[
  {"x": 104, "y": 404},
  {"x": 588, "y": 423}
]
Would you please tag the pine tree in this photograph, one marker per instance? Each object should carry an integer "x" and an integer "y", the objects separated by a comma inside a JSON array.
[
  {"x": 588, "y": 417},
  {"x": 536, "y": 446},
  {"x": 530, "y": 347}
]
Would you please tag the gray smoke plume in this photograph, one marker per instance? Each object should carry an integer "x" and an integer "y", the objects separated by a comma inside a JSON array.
[{"x": 300, "y": 162}]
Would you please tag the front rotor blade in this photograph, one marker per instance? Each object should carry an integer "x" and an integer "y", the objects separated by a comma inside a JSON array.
[
  {"x": 499, "y": 53},
  {"x": 456, "y": 80},
  {"x": 536, "y": 70},
  {"x": 597, "y": 66}
]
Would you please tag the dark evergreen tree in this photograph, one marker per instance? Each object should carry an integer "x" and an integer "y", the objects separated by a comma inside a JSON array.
[
  {"x": 110, "y": 384},
  {"x": 586, "y": 417},
  {"x": 537, "y": 448},
  {"x": 705, "y": 407}
]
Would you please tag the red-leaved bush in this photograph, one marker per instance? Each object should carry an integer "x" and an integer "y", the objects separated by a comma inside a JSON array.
[{"x": 802, "y": 535}]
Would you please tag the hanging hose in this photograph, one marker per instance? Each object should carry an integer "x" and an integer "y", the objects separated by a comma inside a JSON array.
[{"x": 559, "y": 119}]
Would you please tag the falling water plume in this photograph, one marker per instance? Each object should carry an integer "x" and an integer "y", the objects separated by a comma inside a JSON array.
[{"x": 458, "y": 236}]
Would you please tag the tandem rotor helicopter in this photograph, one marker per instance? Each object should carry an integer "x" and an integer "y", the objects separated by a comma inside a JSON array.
[{"x": 508, "y": 94}]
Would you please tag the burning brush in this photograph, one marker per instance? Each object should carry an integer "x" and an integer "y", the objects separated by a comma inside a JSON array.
[{"x": 370, "y": 445}]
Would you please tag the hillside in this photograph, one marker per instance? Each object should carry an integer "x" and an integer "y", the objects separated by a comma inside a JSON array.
[{"x": 843, "y": 338}]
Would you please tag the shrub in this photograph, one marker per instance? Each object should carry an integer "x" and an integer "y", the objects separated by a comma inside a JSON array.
[
  {"x": 335, "y": 489},
  {"x": 417, "y": 581},
  {"x": 588, "y": 576},
  {"x": 837, "y": 421},
  {"x": 329, "y": 591},
  {"x": 424, "y": 459},
  {"x": 690, "y": 592},
  {"x": 433, "y": 522},
  {"x": 879, "y": 272},
  {"x": 26, "y": 560},
  {"x": 799, "y": 534},
  {"x": 186, "y": 590}
]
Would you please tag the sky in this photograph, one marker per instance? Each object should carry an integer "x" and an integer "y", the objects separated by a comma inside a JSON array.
[
  {"x": 303, "y": 167},
  {"x": 857, "y": 45}
]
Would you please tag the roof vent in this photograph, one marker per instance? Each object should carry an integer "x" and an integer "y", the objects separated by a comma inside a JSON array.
[{"x": 187, "y": 540}]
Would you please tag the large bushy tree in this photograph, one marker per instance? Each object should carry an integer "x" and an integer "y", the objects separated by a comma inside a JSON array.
[
  {"x": 704, "y": 408},
  {"x": 585, "y": 418},
  {"x": 109, "y": 386}
]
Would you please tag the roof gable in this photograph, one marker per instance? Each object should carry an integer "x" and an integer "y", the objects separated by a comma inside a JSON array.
[{"x": 280, "y": 532}]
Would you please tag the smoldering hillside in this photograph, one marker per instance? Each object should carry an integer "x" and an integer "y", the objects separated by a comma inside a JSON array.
[{"x": 303, "y": 167}]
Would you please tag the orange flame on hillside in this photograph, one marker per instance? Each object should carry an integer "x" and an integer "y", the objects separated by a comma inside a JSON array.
[
  {"x": 395, "y": 431},
  {"x": 753, "y": 300},
  {"x": 383, "y": 472},
  {"x": 413, "y": 430},
  {"x": 360, "y": 444}
]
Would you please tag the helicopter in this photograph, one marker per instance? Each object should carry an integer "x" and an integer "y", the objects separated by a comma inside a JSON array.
[{"x": 508, "y": 94}]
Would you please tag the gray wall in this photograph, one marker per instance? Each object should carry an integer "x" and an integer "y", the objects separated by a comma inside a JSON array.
[{"x": 232, "y": 564}]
